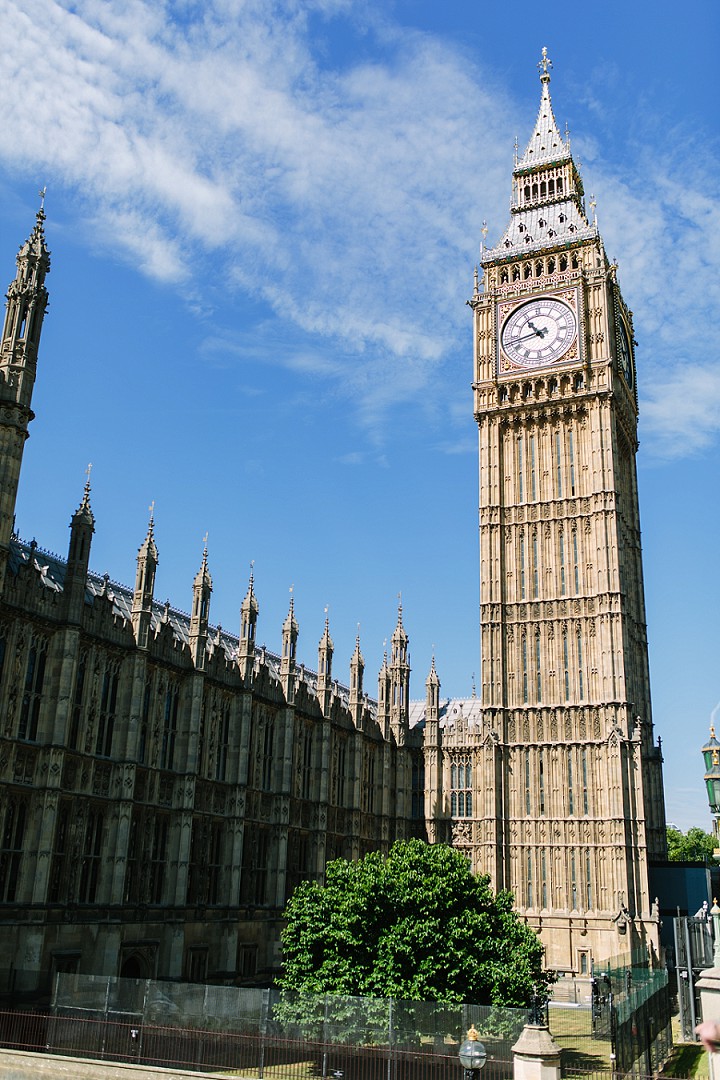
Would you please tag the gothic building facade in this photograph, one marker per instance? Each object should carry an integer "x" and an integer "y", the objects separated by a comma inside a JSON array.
[{"x": 165, "y": 785}]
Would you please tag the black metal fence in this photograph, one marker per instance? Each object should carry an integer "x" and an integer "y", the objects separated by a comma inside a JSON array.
[
  {"x": 203, "y": 1050},
  {"x": 260, "y": 1033}
]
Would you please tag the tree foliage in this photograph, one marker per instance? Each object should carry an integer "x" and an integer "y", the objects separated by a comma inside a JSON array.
[
  {"x": 694, "y": 846},
  {"x": 415, "y": 925}
]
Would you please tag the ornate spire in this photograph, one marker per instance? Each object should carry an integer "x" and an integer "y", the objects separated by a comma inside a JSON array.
[
  {"x": 202, "y": 578},
  {"x": 250, "y": 605},
  {"x": 290, "y": 625},
  {"x": 84, "y": 511},
  {"x": 399, "y": 633},
  {"x": 546, "y": 143},
  {"x": 326, "y": 642},
  {"x": 432, "y": 679},
  {"x": 148, "y": 548}
]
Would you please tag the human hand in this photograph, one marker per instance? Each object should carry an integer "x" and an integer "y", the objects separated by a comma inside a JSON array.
[{"x": 709, "y": 1034}]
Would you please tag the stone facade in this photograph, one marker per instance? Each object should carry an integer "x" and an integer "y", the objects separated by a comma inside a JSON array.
[
  {"x": 570, "y": 806},
  {"x": 165, "y": 784}
]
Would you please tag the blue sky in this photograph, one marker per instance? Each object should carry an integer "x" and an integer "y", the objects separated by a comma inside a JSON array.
[{"x": 264, "y": 219}]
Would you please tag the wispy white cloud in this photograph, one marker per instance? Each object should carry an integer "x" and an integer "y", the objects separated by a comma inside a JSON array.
[
  {"x": 212, "y": 139},
  {"x": 681, "y": 413}
]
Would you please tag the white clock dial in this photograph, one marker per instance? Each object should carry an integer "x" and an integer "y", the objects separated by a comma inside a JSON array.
[{"x": 539, "y": 332}]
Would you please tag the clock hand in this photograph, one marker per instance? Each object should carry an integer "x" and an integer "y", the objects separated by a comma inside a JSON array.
[
  {"x": 535, "y": 333},
  {"x": 540, "y": 333}
]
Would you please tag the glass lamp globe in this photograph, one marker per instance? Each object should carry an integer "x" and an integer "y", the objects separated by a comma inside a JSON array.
[{"x": 472, "y": 1052}]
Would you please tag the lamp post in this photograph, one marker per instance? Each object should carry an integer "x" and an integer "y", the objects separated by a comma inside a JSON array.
[
  {"x": 711, "y": 754},
  {"x": 472, "y": 1054}
]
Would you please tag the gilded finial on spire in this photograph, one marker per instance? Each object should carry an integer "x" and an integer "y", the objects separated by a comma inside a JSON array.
[
  {"x": 544, "y": 65},
  {"x": 42, "y": 193}
]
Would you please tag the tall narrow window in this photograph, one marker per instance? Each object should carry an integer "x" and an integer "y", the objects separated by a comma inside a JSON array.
[
  {"x": 223, "y": 741},
  {"x": 522, "y": 567},
  {"x": 571, "y": 797},
  {"x": 57, "y": 891},
  {"x": 267, "y": 763},
  {"x": 461, "y": 788},
  {"x": 541, "y": 778},
  {"x": 307, "y": 749},
  {"x": 571, "y": 454},
  {"x": 558, "y": 467},
  {"x": 583, "y": 761},
  {"x": 562, "y": 563},
  {"x": 106, "y": 717},
  {"x": 588, "y": 878},
  {"x": 170, "y": 715},
  {"x": 90, "y": 863},
  {"x": 158, "y": 853},
  {"x": 543, "y": 878},
  {"x": 144, "y": 723},
  {"x": 573, "y": 883},
  {"x": 521, "y": 479},
  {"x": 32, "y": 696},
  {"x": 581, "y": 681},
  {"x": 533, "y": 468},
  {"x": 566, "y": 666},
  {"x": 576, "y": 561},
  {"x": 418, "y": 787},
  {"x": 214, "y": 857},
  {"x": 523, "y": 647},
  {"x": 528, "y": 803},
  {"x": 341, "y": 769},
  {"x": 529, "y": 879},
  {"x": 538, "y": 668},
  {"x": 11, "y": 851},
  {"x": 76, "y": 711},
  {"x": 535, "y": 567}
]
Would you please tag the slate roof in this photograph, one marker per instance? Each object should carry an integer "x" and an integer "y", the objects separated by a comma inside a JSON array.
[
  {"x": 51, "y": 569},
  {"x": 561, "y": 221}
]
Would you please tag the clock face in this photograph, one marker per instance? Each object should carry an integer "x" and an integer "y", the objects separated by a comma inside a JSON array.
[
  {"x": 539, "y": 332},
  {"x": 625, "y": 354}
]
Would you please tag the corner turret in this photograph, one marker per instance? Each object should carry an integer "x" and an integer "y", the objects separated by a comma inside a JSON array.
[
  {"x": 325, "y": 656},
  {"x": 24, "y": 313},
  {"x": 202, "y": 588},
  {"x": 82, "y": 527},
  {"x": 290, "y": 632},
  {"x": 399, "y": 682},
  {"x": 147, "y": 561},
  {"x": 357, "y": 671},
  {"x": 249, "y": 611}
]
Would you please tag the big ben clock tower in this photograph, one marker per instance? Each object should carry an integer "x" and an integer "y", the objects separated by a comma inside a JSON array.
[{"x": 570, "y": 788}]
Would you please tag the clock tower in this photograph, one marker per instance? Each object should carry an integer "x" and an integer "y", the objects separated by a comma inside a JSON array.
[{"x": 571, "y": 807}]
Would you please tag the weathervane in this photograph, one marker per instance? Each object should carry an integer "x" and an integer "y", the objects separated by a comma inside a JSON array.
[{"x": 545, "y": 64}]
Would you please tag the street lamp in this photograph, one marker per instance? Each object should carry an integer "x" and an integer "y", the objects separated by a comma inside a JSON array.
[
  {"x": 711, "y": 754},
  {"x": 472, "y": 1054}
]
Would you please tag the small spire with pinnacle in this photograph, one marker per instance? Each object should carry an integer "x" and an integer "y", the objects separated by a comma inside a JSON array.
[{"x": 84, "y": 512}]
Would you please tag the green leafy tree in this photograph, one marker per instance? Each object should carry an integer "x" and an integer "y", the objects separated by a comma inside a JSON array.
[
  {"x": 415, "y": 925},
  {"x": 694, "y": 846}
]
